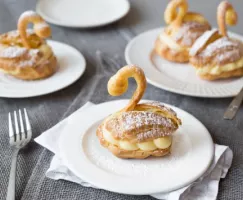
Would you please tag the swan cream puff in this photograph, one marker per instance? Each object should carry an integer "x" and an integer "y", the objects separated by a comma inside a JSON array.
[
  {"x": 183, "y": 29},
  {"x": 138, "y": 130},
  {"x": 24, "y": 53},
  {"x": 215, "y": 55}
]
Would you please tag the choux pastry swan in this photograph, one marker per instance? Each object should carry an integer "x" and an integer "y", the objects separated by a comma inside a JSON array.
[
  {"x": 183, "y": 29},
  {"x": 24, "y": 53},
  {"x": 215, "y": 55},
  {"x": 138, "y": 130}
]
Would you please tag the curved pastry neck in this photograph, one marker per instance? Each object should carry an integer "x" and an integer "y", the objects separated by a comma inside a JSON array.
[
  {"x": 118, "y": 84},
  {"x": 172, "y": 15},
  {"x": 225, "y": 15},
  {"x": 140, "y": 79},
  {"x": 41, "y": 29}
]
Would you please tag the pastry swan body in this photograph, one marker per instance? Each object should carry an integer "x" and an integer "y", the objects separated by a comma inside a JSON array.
[
  {"x": 138, "y": 130},
  {"x": 24, "y": 53},
  {"x": 216, "y": 55},
  {"x": 182, "y": 31}
]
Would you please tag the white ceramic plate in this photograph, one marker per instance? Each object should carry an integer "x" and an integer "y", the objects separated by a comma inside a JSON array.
[
  {"x": 173, "y": 77},
  {"x": 82, "y": 13},
  {"x": 192, "y": 153},
  {"x": 71, "y": 65}
]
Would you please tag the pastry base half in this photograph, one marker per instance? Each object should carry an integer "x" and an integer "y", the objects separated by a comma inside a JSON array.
[
  {"x": 224, "y": 75},
  {"x": 121, "y": 153},
  {"x": 40, "y": 71},
  {"x": 169, "y": 54}
]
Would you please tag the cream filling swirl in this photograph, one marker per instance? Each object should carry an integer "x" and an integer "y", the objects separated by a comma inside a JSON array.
[
  {"x": 216, "y": 70},
  {"x": 159, "y": 143}
]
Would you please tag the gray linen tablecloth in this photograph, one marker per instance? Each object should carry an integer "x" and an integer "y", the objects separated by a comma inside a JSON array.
[{"x": 47, "y": 110}]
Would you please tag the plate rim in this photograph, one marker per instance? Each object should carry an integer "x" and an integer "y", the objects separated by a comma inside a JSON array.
[
  {"x": 63, "y": 140},
  {"x": 82, "y": 59},
  {"x": 63, "y": 24},
  {"x": 164, "y": 87}
]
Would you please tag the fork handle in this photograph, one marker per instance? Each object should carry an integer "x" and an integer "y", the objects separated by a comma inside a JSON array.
[{"x": 11, "y": 183}]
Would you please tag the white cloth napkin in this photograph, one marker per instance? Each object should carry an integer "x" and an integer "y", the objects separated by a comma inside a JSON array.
[{"x": 205, "y": 188}]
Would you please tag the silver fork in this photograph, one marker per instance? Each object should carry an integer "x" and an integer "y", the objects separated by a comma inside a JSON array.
[{"x": 19, "y": 137}]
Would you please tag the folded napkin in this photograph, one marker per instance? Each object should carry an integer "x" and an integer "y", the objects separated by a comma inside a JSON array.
[{"x": 205, "y": 188}]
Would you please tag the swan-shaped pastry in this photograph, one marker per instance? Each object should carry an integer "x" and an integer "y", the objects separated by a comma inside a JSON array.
[
  {"x": 183, "y": 29},
  {"x": 215, "y": 55},
  {"x": 138, "y": 130},
  {"x": 24, "y": 53}
]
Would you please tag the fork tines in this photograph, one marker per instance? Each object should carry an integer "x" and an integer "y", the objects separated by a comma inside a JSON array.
[{"x": 19, "y": 132}]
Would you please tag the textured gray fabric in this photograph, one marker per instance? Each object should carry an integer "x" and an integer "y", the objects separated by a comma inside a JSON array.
[{"x": 47, "y": 110}]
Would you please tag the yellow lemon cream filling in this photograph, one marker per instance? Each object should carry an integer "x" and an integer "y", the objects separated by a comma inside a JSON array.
[
  {"x": 215, "y": 70},
  {"x": 159, "y": 143}
]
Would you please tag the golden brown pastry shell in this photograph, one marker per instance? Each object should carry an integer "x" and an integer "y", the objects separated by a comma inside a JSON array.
[
  {"x": 166, "y": 121},
  {"x": 39, "y": 71},
  {"x": 199, "y": 61},
  {"x": 219, "y": 57},
  {"x": 165, "y": 124},
  {"x": 43, "y": 64}
]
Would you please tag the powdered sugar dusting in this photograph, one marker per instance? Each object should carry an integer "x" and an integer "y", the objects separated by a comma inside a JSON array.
[
  {"x": 27, "y": 63},
  {"x": 28, "y": 56},
  {"x": 231, "y": 56},
  {"x": 161, "y": 106},
  {"x": 153, "y": 133},
  {"x": 135, "y": 120},
  {"x": 29, "y": 13},
  {"x": 219, "y": 44},
  {"x": 189, "y": 32},
  {"x": 13, "y": 52},
  {"x": 201, "y": 41},
  {"x": 41, "y": 25},
  {"x": 137, "y": 123},
  {"x": 15, "y": 33}
]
